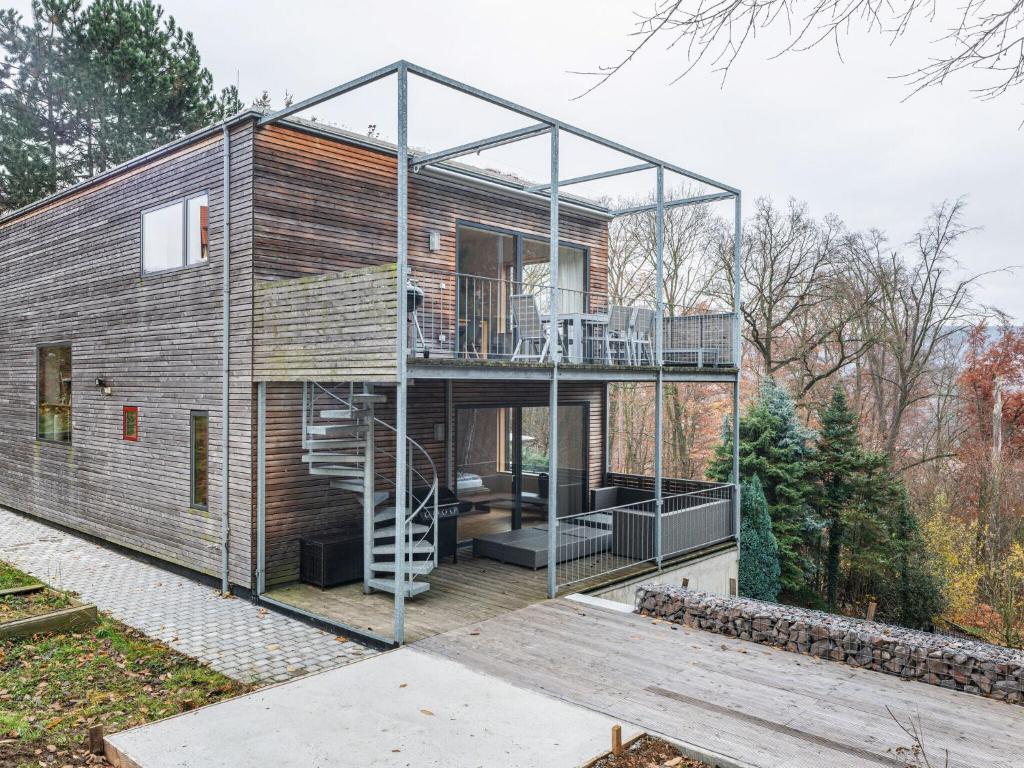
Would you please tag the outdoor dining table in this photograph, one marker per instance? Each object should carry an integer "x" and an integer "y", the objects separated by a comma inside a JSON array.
[{"x": 580, "y": 329}]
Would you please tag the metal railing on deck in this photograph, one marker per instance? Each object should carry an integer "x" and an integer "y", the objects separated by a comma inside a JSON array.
[
  {"x": 460, "y": 316},
  {"x": 594, "y": 545}
]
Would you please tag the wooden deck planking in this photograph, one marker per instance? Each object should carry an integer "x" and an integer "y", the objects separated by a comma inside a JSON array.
[
  {"x": 760, "y": 705},
  {"x": 467, "y": 592}
]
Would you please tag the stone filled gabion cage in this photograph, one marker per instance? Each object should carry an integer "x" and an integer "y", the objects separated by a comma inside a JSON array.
[{"x": 962, "y": 665}]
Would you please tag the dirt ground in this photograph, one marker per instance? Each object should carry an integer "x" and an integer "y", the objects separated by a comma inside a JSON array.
[{"x": 650, "y": 752}]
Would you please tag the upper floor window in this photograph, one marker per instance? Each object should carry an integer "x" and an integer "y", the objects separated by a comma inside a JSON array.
[
  {"x": 176, "y": 235},
  {"x": 53, "y": 382}
]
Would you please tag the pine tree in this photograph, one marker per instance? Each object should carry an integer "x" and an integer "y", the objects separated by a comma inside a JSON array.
[
  {"x": 759, "y": 551},
  {"x": 36, "y": 118},
  {"x": 839, "y": 459},
  {"x": 776, "y": 447},
  {"x": 83, "y": 88}
]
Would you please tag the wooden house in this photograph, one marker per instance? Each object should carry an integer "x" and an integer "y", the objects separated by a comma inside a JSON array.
[{"x": 347, "y": 379}]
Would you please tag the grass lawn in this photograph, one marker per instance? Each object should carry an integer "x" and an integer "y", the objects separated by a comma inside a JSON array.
[
  {"x": 12, "y": 577},
  {"x": 14, "y": 607},
  {"x": 54, "y": 687}
]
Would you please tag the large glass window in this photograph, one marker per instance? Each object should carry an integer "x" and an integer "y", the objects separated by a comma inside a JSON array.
[
  {"x": 200, "y": 459},
  {"x": 176, "y": 235},
  {"x": 54, "y": 393}
]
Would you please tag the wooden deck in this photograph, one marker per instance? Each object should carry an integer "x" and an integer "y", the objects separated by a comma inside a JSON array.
[
  {"x": 759, "y": 706},
  {"x": 471, "y": 590}
]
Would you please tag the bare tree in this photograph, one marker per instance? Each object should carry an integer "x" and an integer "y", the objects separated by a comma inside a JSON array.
[
  {"x": 981, "y": 35},
  {"x": 804, "y": 292},
  {"x": 921, "y": 305},
  {"x": 691, "y": 268}
]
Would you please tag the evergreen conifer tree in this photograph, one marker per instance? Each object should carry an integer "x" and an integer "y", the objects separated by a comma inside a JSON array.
[
  {"x": 84, "y": 87},
  {"x": 776, "y": 447},
  {"x": 839, "y": 459},
  {"x": 759, "y": 551}
]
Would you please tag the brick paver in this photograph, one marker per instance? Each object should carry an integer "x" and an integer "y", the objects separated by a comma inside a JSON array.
[{"x": 233, "y": 636}]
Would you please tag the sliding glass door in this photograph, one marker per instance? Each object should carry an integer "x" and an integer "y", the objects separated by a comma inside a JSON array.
[
  {"x": 503, "y": 466},
  {"x": 494, "y": 265}
]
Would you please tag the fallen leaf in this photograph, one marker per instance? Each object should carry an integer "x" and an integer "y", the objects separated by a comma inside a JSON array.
[{"x": 427, "y": 712}]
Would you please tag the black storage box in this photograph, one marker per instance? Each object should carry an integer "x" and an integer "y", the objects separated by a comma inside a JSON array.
[{"x": 328, "y": 561}]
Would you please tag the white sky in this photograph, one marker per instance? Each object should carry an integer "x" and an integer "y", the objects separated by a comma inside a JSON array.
[{"x": 833, "y": 133}]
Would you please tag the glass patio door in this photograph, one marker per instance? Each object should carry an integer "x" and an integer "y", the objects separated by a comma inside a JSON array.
[{"x": 571, "y": 482}]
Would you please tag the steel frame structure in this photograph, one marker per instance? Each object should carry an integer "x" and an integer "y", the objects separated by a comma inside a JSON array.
[{"x": 549, "y": 192}]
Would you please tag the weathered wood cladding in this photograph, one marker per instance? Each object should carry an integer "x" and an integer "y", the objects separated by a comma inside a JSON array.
[
  {"x": 327, "y": 327},
  {"x": 326, "y": 206},
  {"x": 299, "y": 504},
  {"x": 70, "y": 272}
]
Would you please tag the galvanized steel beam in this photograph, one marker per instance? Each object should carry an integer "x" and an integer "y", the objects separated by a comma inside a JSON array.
[{"x": 469, "y": 148}]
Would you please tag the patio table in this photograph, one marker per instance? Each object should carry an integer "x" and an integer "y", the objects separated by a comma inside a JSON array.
[{"x": 579, "y": 328}]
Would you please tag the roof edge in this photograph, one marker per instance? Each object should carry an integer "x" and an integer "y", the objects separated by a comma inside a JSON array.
[{"x": 138, "y": 160}]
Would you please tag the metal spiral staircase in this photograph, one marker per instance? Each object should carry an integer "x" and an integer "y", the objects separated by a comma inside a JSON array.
[{"x": 338, "y": 440}]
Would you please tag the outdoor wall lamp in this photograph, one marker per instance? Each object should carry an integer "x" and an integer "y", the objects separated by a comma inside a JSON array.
[{"x": 435, "y": 240}]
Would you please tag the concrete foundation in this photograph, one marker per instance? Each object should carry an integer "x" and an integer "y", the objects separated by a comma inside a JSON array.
[{"x": 708, "y": 573}]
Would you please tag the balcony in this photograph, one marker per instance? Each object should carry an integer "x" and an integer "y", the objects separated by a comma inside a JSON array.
[{"x": 456, "y": 316}]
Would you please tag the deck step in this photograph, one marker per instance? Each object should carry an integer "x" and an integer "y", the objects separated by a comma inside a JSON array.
[
  {"x": 336, "y": 470},
  {"x": 341, "y": 458},
  {"x": 387, "y": 585},
  {"x": 418, "y": 548},
  {"x": 417, "y": 567},
  {"x": 380, "y": 533}
]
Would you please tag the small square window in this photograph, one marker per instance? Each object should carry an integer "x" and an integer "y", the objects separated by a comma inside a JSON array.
[
  {"x": 130, "y": 423},
  {"x": 176, "y": 235}
]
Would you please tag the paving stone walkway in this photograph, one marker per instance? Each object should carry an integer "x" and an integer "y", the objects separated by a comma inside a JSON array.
[{"x": 233, "y": 636}]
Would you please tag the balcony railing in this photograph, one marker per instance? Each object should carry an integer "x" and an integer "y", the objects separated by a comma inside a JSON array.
[
  {"x": 458, "y": 316},
  {"x": 594, "y": 545}
]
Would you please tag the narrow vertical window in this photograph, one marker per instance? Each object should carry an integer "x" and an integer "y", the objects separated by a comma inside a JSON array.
[
  {"x": 198, "y": 229},
  {"x": 130, "y": 423},
  {"x": 200, "y": 458},
  {"x": 53, "y": 381}
]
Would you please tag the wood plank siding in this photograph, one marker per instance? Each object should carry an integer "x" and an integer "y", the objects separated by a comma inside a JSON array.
[
  {"x": 71, "y": 272},
  {"x": 327, "y": 327},
  {"x": 326, "y": 206}
]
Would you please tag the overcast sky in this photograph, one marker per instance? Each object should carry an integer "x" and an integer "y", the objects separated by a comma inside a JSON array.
[{"x": 833, "y": 133}]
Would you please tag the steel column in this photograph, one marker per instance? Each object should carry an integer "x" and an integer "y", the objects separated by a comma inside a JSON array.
[
  {"x": 555, "y": 356},
  {"x": 402, "y": 384},
  {"x": 225, "y": 419},
  {"x": 738, "y": 353},
  {"x": 659, "y": 386},
  {"x": 261, "y": 488}
]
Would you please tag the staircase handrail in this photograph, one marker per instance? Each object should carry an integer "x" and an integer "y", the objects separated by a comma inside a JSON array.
[{"x": 432, "y": 483}]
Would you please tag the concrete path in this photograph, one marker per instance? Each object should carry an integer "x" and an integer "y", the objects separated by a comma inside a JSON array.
[
  {"x": 233, "y": 636},
  {"x": 402, "y": 708},
  {"x": 757, "y": 705}
]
